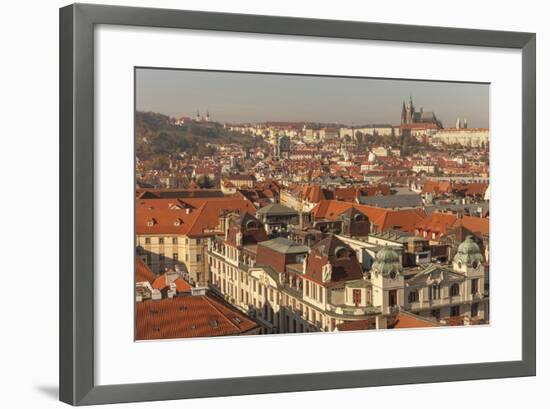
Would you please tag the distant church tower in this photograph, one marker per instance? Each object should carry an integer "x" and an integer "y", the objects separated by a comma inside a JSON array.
[
  {"x": 407, "y": 112},
  {"x": 198, "y": 117},
  {"x": 207, "y": 119}
]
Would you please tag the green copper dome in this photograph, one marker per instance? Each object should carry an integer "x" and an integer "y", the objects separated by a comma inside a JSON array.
[
  {"x": 387, "y": 261},
  {"x": 468, "y": 252}
]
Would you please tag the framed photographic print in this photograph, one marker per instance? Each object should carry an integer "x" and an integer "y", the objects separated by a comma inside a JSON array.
[{"x": 314, "y": 195}]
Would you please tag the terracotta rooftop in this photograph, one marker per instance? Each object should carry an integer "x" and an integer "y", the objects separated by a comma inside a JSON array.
[
  {"x": 188, "y": 317},
  {"x": 143, "y": 272},
  {"x": 408, "y": 320},
  {"x": 191, "y": 217},
  {"x": 383, "y": 219},
  {"x": 164, "y": 280},
  {"x": 359, "y": 325},
  {"x": 437, "y": 222}
]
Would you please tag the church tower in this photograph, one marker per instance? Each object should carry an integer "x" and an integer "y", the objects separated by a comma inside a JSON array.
[
  {"x": 198, "y": 117},
  {"x": 410, "y": 111},
  {"x": 387, "y": 280}
]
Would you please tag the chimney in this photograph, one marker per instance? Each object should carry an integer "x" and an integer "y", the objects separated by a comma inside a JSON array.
[{"x": 156, "y": 294}]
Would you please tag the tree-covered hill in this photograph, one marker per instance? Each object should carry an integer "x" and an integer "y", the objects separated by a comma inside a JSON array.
[{"x": 157, "y": 136}]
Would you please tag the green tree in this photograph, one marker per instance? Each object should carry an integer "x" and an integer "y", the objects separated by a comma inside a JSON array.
[{"x": 205, "y": 182}]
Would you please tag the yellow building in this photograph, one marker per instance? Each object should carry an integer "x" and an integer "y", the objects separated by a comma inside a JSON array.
[{"x": 174, "y": 233}]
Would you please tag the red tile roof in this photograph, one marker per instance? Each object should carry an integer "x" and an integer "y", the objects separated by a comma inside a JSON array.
[
  {"x": 436, "y": 187},
  {"x": 383, "y": 219},
  {"x": 359, "y": 325},
  {"x": 340, "y": 256},
  {"x": 407, "y": 320},
  {"x": 163, "y": 281},
  {"x": 143, "y": 272},
  {"x": 437, "y": 222},
  {"x": 187, "y": 317},
  {"x": 479, "y": 225},
  {"x": 190, "y": 217}
]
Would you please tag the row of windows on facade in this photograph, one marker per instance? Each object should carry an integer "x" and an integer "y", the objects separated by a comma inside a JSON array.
[
  {"x": 174, "y": 240},
  {"x": 175, "y": 258},
  {"x": 313, "y": 290},
  {"x": 267, "y": 293},
  {"x": 455, "y": 311},
  {"x": 434, "y": 291}
]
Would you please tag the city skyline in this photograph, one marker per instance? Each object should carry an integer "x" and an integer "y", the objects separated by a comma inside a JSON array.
[{"x": 256, "y": 97}]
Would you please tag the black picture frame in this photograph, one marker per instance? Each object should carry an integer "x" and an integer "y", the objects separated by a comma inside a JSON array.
[{"x": 77, "y": 385}]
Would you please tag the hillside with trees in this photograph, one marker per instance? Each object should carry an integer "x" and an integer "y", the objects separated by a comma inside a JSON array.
[{"x": 157, "y": 137}]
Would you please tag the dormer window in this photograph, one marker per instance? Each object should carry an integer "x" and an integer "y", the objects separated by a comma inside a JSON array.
[
  {"x": 359, "y": 218},
  {"x": 251, "y": 224},
  {"x": 177, "y": 222},
  {"x": 341, "y": 252},
  {"x": 151, "y": 222}
]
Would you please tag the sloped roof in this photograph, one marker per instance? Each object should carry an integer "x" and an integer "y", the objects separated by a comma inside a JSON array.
[
  {"x": 187, "y": 317},
  {"x": 383, "y": 219},
  {"x": 392, "y": 201},
  {"x": 345, "y": 266},
  {"x": 143, "y": 272},
  {"x": 284, "y": 246},
  {"x": 437, "y": 222},
  {"x": 164, "y": 280},
  {"x": 315, "y": 193},
  {"x": 408, "y": 320},
  {"x": 277, "y": 209},
  {"x": 156, "y": 216},
  {"x": 359, "y": 325},
  {"x": 478, "y": 225},
  {"x": 432, "y": 186}
]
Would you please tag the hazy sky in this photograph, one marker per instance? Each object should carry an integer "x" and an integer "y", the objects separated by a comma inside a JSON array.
[{"x": 245, "y": 97}]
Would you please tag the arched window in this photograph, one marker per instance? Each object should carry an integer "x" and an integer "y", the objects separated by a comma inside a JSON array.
[
  {"x": 455, "y": 290},
  {"x": 341, "y": 252},
  {"x": 251, "y": 224},
  {"x": 413, "y": 296},
  {"x": 359, "y": 217}
]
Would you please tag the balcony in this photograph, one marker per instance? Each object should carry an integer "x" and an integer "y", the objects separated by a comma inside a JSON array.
[{"x": 348, "y": 310}]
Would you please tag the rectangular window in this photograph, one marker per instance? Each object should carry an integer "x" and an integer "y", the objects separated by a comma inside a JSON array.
[
  {"x": 175, "y": 257},
  {"x": 174, "y": 240},
  {"x": 198, "y": 241},
  {"x": 357, "y": 297},
  {"x": 147, "y": 240},
  {"x": 199, "y": 257},
  {"x": 435, "y": 292},
  {"x": 392, "y": 296},
  {"x": 475, "y": 284},
  {"x": 161, "y": 240},
  {"x": 455, "y": 311},
  {"x": 475, "y": 310}
]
